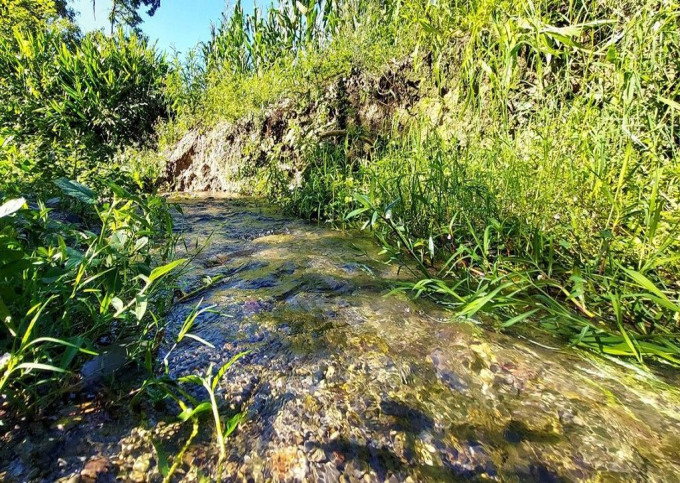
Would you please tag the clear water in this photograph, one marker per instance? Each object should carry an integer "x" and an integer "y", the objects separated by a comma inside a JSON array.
[{"x": 346, "y": 381}]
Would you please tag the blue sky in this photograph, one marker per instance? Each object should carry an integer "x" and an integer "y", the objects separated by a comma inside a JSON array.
[{"x": 177, "y": 23}]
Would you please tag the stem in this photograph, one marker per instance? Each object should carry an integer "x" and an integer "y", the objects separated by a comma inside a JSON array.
[
  {"x": 406, "y": 244},
  {"x": 218, "y": 424},
  {"x": 180, "y": 455}
]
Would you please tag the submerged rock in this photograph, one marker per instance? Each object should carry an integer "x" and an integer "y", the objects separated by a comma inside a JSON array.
[{"x": 110, "y": 360}]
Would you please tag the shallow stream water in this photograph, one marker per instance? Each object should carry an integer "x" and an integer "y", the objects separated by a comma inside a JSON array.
[{"x": 344, "y": 382}]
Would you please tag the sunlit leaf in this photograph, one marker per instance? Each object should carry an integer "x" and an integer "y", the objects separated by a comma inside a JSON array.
[
  {"x": 76, "y": 190},
  {"x": 12, "y": 206}
]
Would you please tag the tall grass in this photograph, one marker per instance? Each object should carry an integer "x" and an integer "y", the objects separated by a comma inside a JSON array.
[
  {"x": 70, "y": 104},
  {"x": 254, "y": 60},
  {"x": 535, "y": 179},
  {"x": 538, "y": 180}
]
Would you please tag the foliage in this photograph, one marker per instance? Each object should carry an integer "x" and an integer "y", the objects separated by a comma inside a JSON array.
[
  {"x": 164, "y": 387},
  {"x": 33, "y": 15},
  {"x": 66, "y": 284},
  {"x": 254, "y": 60},
  {"x": 536, "y": 178},
  {"x": 246, "y": 43},
  {"x": 125, "y": 13},
  {"x": 68, "y": 105}
]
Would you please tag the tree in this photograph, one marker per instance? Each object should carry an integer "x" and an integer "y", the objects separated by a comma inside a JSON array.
[
  {"x": 31, "y": 15},
  {"x": 125, "y": 13}
]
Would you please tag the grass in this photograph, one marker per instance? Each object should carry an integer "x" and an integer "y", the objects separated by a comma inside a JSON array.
[
  {"x": 87, "y": 250},
  {"x": 536, "y": 177},
  {"x": 72, "y": 292},
  {"x": 64, "y": 286},
  {"x": 162, "y": 387},
  {"x": 70, "y": 103},
  {"x": 85, "y": 254},
  {"x": 479, "y": 247}
]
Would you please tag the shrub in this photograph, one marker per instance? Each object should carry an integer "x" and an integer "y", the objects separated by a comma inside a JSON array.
[{"x": 73, "y": 103}]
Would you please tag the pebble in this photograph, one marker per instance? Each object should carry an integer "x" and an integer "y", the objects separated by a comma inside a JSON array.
[
  {"x": 318, "y": 456},
  {"x": 69, "y": 479},
  {"x": 449, "y": 406},
  {"x": 138, "y": 476},
  {"x": 94, "y": 468},
  {"x": 142, "y": 464}
]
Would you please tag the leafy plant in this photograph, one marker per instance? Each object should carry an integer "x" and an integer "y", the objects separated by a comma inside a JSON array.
[
  {"x": 72, "y": 103},
  {"x": 64, "y": 285},
  {"x": 162, "y": 387}
]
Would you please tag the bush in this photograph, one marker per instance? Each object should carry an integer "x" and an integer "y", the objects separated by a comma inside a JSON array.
[{"x": 72, "y": 104}]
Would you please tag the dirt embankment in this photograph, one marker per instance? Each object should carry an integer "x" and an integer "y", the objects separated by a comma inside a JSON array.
[{"x": 232, "y": 156}]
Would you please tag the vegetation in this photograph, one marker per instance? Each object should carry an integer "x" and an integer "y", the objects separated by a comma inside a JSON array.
[
  {"x": 164, "y": 387},
  {"x": 125, "y": 13},
  {"x": 82, "y": 271},
  {"x": 536, "y": 178},
  {"x": 33, "y": 15},
  {"x": 66, "y": 285},
  {"x": 87, "y": 260},
  {"x": 523, "y": 165},
  {"x": 68, "y": 107}
]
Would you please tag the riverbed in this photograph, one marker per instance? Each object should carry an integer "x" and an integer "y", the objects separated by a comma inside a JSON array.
[{"x": 344, "y": 381}]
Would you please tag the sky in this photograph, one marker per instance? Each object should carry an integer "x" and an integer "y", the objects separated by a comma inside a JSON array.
[{"x": 178, "y": 24}]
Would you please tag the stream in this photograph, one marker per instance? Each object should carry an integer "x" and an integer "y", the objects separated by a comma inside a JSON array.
[{"x": 344, "y": 382}]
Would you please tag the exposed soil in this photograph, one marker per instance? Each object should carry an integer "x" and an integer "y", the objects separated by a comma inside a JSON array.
[{"x": 229, "y": 157}]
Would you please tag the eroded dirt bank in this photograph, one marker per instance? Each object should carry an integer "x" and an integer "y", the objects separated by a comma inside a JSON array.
[
  {"x": 343, "y": 382},
  {"x": 233, "y": 157}
]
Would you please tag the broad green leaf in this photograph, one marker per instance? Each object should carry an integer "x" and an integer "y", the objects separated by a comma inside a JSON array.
[
  {"x": 76, "y": 190},
  {"x": 519, "y": 318},
  {"x": 159, "y": 272},
  {"x": 480, "y": 301},
  {"x": 201, "y": 340},
  {"x": 192, "y": 378},
  {"x": 161, "y": 458},
  {"x": 355, "y": 213},
  {"x": 141, "y": 303},
  {"x": 141, "y": 243},
  {"x": 232, "y": 423},
  {"x": 191, "y": 412},
  {"x": 648, "y": 285},
  {"x": 117, "y": 304}
]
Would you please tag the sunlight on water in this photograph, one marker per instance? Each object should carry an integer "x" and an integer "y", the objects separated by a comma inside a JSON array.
[{"x": 343, "y": 379}]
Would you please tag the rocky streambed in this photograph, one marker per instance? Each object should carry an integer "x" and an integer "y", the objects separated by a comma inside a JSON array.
[{"x": 345, "y": 383}]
